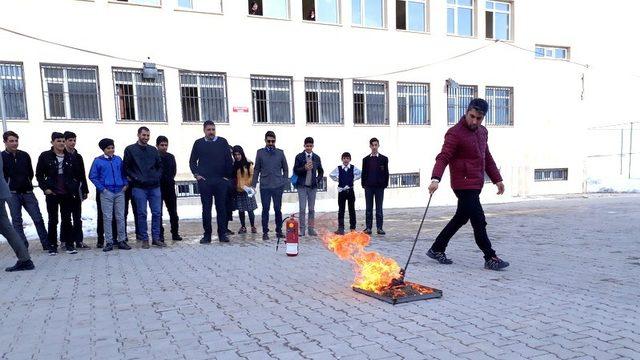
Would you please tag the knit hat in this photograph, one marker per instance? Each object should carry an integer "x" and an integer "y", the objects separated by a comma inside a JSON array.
[{"x": 104, "y": 143}]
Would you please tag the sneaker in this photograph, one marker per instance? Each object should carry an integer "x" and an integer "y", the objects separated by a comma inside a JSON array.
[
  {"x": 367, "y": 231},
  {"x": 439, "y": 256},
  {"x": 176, "y": 237},
  {"x": 53, "y": 250},
  {"x": 145, "y": 245},
  {"x": 205, "y": 240},
  {"x": 312, "y": 232},
  {"x": 339, "y": 232},
  {"x": 158, "y": 243},
  {"x": 223, "y": 238},
  {"x": 100, "y": 245},
  {"x": 495, "y": 263},
  {"x": 21, "y": 265},
  {"x": 229, "y": 232},
  {"x": 254, "y": 230},
  {"x": 123, "y": 246},
  {"x": 243, "y": 230},
  {"x": 71, "y": 250},
  {"x": 108, "y": 247},
  {"x": 82, "y": 246},
  {"x": 265, "y": 236},
  {"x": 380, "y": 231}
]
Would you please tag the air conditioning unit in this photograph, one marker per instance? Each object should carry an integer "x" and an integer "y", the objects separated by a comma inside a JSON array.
[{"x": 149, "y": 71}]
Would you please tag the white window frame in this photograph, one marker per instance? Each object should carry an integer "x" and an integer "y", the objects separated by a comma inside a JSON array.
[
  {"x": 406, "y": 16},
  {"x": 15, "y": 78},
  {"x": 364, "y": 92},
  {"x": 495, "y": 11},
  {"x": 338, "y": 14},
  {"x": 133, "y": 82},
  {"x": 199, "y": 85},
  {"x": 195, "y": 8},
  {"x": 412, "y": 92},
  {"x": 455, "y": 6},
  {"x": 268, "y": 100},
  {"x": 65, "y": 90},
  {"x": 288, "y": 5},
  {"x": 317, "y": 82},
  {"x": 362, "y": 17},
  {"x": 138, "y": 3},
  {"x": 547, "y": 48},
  {"x": 490, "y": 117}
]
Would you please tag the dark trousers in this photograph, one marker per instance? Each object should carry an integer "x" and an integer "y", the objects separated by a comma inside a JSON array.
[
  {"x": 170, "y": 200},
  {"x": 266, "y": 195},
  {"x": 100, "y": 227},
  {"x": 469, "y": 208},
  {"x": 14, "y": 240},
  {"x": 208, "y": 191},
  {"x": 347, "y": 197},
  {"x": 64, "y": 204},
  {"x": 76, "y": 217},
  {"x": 128, "y": 197},
  {"x": 371, "y": 194},
  {"x": 231, "y": 199},
  {"x": 252, "y": 218},
  {"x": 30, "y": 204}
]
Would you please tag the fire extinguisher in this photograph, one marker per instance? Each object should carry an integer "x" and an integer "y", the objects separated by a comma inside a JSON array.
[{"x": 291, "y": 238}]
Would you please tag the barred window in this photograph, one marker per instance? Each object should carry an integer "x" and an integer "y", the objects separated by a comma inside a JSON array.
[
  {"x": 458, "y": 98},
  {"x": 203, "y": 96},
  {"x": 139, "y": 99},
  {"x": 12, "y": 90},
  {"x": 370, "y": 102},
  {"x": 500, "y": 101},
  {"x": 70, "y": 92},
  {"x": 272, "y": 99},
  {"x": 323, "y": 101},
  {"x": 187, "y": 188},
  {"x": 289, "y": 189},
  {"x": 551, "y": 174},
  {"x": 413, "y": 104},
  {"x": 404, "y": 180},
  {"x": 460, "y": 17},
  {"x": 498, "y": 20}
]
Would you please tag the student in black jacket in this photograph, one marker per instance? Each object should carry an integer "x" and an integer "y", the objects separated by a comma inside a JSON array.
[
  {"x": 59, "y": 176},
  {"x": 168, "y": 187},
  {"x": 18, "y": 173},
  {"x": 76, "y": 212},
  {"x": 308, "y": 169},
  {"x": 375, "y": 178}
]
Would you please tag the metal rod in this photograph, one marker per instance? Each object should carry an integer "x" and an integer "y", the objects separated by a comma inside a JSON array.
[
  {"x": 404, "y": 271},
  {"x": 2, "y": 109},
  {"x": 630, "y": 148}
]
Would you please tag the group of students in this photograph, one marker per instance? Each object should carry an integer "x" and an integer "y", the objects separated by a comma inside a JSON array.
[{"x": 145, "y": 176}]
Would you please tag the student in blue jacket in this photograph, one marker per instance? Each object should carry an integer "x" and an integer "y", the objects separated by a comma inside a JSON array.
[{"x": 107, "y": 174}]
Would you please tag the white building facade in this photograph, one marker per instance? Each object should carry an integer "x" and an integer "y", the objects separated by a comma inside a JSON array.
[{"x": 401, "y": 71}]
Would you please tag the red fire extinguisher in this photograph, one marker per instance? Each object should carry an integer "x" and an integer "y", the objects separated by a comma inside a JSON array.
[{"x": 291, "y": 239}]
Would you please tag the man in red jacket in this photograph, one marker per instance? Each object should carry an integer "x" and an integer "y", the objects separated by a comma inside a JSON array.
[{"x": 466, "y": 152}]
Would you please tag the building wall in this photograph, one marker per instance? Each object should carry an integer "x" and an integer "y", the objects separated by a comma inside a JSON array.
[{"x": 550, "y": 118}]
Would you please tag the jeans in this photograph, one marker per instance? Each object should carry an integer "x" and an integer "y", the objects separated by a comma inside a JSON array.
[
  {"x": 141, "y": 197},
  {"x": 266, "y": 195},
  {"x": 469, "y": 208},
  {"x": 63, "y": 203},
  {"x": 14, "y": 240},
  {"x": 208, "y": 191},
  {"x": 100, "y": 226},
  {"x": 369, "y": 195},
  {"x": 30, "y": 204},
  {"x": 347, "y": 197},
  {"x": 170, "y": 199},
  {"x": 306, "y": 195},
  {"x": 113, "y": 206}
]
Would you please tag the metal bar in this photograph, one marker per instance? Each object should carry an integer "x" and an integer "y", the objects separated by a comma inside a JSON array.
[{"x": 404, "y": 271}]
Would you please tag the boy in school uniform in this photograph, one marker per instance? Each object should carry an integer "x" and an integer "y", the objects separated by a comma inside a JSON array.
[{"x": 345, "y": 174}]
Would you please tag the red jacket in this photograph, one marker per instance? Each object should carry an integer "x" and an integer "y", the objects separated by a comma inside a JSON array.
[{"x": 467, "y": 154}]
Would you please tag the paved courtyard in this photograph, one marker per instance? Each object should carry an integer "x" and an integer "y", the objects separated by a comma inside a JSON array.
[{"x": 572, "y": 291}]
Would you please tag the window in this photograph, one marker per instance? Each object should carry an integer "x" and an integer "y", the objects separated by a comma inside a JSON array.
[
  {"x": 413, "y": 104},
  {"x": 404, "y": 180},
  {"x": 323, "y": 101},
  {"x": 498, "y": 20},
  {"x": 278, "y": 9},
  {"x": 210, "y": 6},
  {"x": 12, "y": 90},
  {"x": 272, "y": 99},
  {"x": 70, "y": 92},
  {"x": 369, "y": 13},
  {"x": 370, "y": 102},
  {"x": 203, "y": 97},
  {"x": 552, "y": 52},
  {"x": 187, "y": 188},
  {"x": 458, "y": 98},
  {"x": 500, "y": 101},
  {"x": 411, "y": 15},
  {"x": 139, "y": 99},
  {"x": 460, "y": 17},
  {"x": 551, "y": 174},
  {"x": 141, "y": 2},
  {"x": 324, "y": 11}
]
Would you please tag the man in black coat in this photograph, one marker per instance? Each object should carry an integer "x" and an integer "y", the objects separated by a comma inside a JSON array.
[
  {"x": 375, "y": 178},
  {"x": 168, "y": 187},
  {"x": 76, "y": 212}
]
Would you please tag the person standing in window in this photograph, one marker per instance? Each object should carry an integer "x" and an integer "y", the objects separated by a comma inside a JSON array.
[
  {"x": 211, "y": 165},
  {"x": 76, "y": 213},
  {"x": 375, "y": 178},
  {"x": 254, "y": 9},
  {"x": 308, "y": 169},
  {"x": 168, "y": 187},
  {"x": 245, "y": 197},
  {"x": 18, "y": 172},
  {"x": 311, "y": 16},
  {"x": 272, "y": 170}
]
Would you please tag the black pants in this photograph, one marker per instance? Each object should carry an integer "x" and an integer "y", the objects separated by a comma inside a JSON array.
[
  {"x": 170, "y": 200},
  {"x": 128, "y": 199},
  {"x": 344, "y": 198},
  {"x": 100, "y": 227},
  {"x": 469, "y": 208},
  {"x": 218, "y": 190},
  {"x": 64, "y": 204},
  {"x": 76, "y": 217},
  {"x": 231, "y": 199},
  {"x": 369, "y": 195}
]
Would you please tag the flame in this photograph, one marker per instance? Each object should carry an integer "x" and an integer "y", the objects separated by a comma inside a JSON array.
[{"x": 374, "y": 272}]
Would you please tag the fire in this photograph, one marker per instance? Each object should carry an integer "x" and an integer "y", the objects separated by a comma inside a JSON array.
[{"x": 374, "y": 272}]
